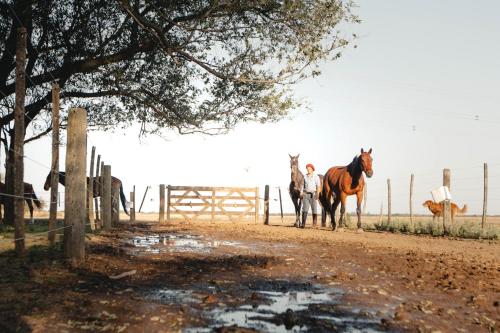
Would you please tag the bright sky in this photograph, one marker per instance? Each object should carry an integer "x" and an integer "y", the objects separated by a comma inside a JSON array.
[{"x": 421, "y": 89}]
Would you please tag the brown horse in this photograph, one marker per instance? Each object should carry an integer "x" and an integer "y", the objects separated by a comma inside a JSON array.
[
  {"x": 29, "y": 196},
  {"x": 296, "y": 186},
  {"x": 340, "y": 182},
  {"x": 115, "y": 182}
]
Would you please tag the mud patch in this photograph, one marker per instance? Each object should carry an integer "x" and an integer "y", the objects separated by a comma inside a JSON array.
[{"x": 271, "y": 306}]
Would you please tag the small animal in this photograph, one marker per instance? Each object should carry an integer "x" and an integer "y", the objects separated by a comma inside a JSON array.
[{"x": 438, "y": 208}]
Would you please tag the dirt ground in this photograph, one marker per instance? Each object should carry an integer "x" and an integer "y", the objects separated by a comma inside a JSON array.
[{"x": 199, "y": 273}]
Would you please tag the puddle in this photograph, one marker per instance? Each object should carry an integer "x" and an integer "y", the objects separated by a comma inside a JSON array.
[
  {"x": 172, "y": 296},
  {"x": 274, "y": 306},
  {"x": 175, "y": 243},
  {"x": 302, "y": 311}
]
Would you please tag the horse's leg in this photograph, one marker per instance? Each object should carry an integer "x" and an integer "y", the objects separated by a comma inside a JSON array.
[
  {"x": 333, "y": 209},
  {"x": 295, "y": 201},
  {"x": 342, "y": 211},
  {"x": 30, "y": 206},
  {"x": 324, "y": 206},
  {"x": 359, "y": 197}
]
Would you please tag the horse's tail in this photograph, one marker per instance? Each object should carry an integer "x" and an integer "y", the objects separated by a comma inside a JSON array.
[
  {"x": 463, "y": 210},
  {"x": 123, "y": 199}
]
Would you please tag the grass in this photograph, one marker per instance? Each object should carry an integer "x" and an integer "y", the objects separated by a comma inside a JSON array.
[{"x": 463, "y": 229}]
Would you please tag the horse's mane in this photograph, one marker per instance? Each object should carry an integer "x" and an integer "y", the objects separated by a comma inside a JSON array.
[{"x": 353, "y": 168}]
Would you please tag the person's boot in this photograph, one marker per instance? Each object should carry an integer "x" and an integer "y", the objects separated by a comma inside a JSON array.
[
  {"x": 315, "y": 221},
  {"x": 304, "y": 218}
]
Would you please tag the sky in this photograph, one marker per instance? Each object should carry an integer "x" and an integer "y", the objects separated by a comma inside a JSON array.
[{"x": 421, "y": 89}]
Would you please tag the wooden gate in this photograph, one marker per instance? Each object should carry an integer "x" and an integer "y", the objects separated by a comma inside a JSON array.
[{"x": 197, "y": 202}]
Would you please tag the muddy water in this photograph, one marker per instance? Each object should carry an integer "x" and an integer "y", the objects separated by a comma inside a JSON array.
[
  {"x": 177, "y": 243},
  {"x": 273, "y": 306},
  {"x": 162, "y": 243},
  {"x": 256, "y": 305}
]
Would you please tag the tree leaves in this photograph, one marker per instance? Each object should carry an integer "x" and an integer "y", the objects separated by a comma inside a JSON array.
[{"x": 194, "y": 66}]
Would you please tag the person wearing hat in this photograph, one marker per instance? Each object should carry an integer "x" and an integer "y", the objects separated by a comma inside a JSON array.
[{"x": 310, "y": 194}]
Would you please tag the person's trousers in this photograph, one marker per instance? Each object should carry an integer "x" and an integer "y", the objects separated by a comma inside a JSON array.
[{"x": 308, "y": 200}]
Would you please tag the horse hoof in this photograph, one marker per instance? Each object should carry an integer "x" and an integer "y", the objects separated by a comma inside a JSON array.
[
  {"x": 360, "y": 230},
  {"x": 340, "y": 229}
]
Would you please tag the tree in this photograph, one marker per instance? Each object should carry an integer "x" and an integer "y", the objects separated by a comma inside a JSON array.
[{"x": 193, "y": 66}]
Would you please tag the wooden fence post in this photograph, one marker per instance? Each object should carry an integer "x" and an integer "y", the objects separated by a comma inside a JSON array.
[
  {"x": 257, "y": 204},
  {"x": 54, "y": 179},
  {"x": 447, "y": 203},
  {"x": 168, "y": 203},
  {"x": 144, "y": 197},
  {"x": 412, "y": 179},
  {"x": 115, "y": 204},
  {"x": 266, "y": 205},
  {"x": 18, "y": 171},
  {"x": 98, "y": 189},
  {"x": 281, "y": 204},
  {"x": 132, "y": 205},
  {"x": 90, "y": 191},
  {"x": 485, "y": 196},
  {"x": 389, "y": 201},
  {"x": 75, "y": 208},
  {"x": 106, "y": 197},
  {"x": 161, "y": 219}
]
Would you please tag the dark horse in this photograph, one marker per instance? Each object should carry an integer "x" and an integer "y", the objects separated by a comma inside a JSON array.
[
  {"x": 296, "y": 186},
  {"x": 340, "y": 182},
  {"x": 29, "y": 196},
  {"x": 115, "y": 182}
]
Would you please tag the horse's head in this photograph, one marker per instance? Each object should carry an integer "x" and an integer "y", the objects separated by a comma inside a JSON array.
[
  {"x": 366, "y": 162},
  {"x": 294, "y": 162},
  {"x": 48, "y": 180}
]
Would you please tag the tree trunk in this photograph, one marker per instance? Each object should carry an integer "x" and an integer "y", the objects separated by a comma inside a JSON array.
[{"x": 9, "y": 187}]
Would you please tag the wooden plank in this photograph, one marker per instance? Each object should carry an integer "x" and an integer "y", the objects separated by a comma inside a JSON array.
[
  {"x": 217, "y": 213},
  {"x": 206, "y": 188},
  {"x": 201, "y": 204},
  {"x": 217, "y": 197}
]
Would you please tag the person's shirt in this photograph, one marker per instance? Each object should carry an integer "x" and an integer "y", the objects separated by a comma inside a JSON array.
[{"x": 311, "y": 183}]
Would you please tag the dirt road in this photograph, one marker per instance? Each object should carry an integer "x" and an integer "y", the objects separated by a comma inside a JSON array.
[{"x": 245, "y": 278}]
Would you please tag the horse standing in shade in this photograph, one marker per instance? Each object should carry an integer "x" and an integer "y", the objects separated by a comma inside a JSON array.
[
  {"x": 29, "y": 196},
  {"x": 343, "y": 181},
  {"x": 115, "y": 182},
  {"x": 296, "y": 186}
]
